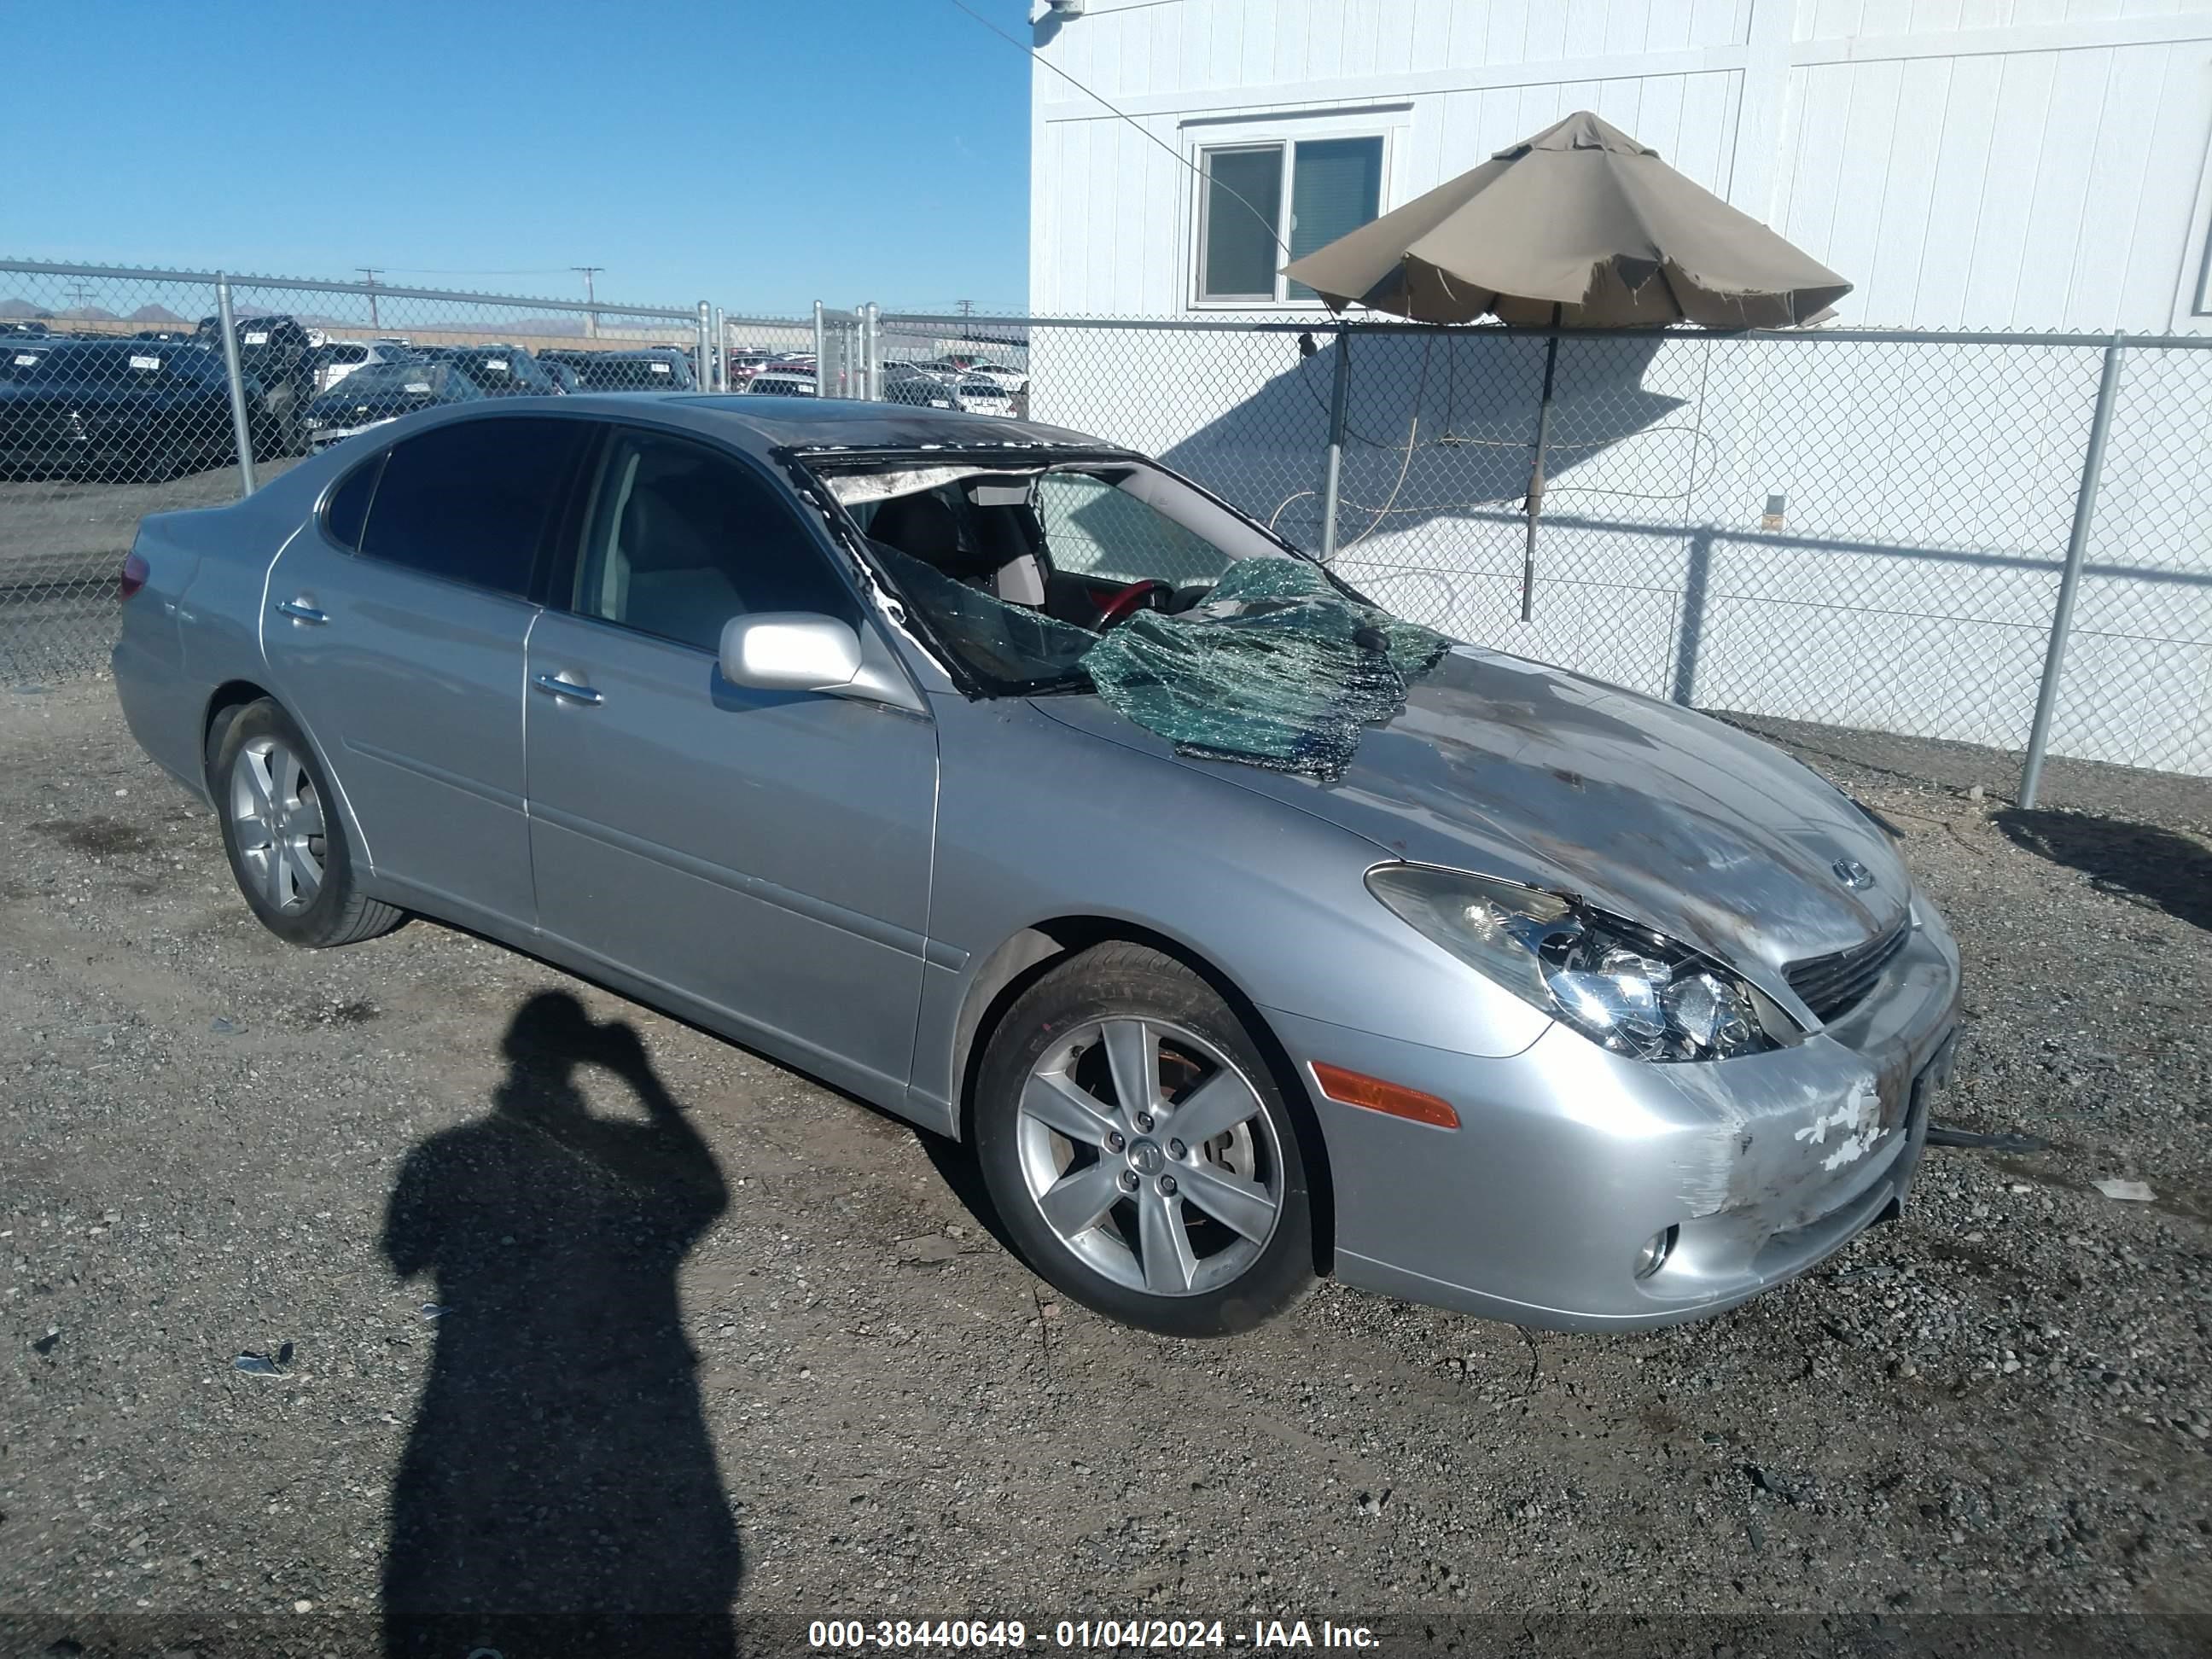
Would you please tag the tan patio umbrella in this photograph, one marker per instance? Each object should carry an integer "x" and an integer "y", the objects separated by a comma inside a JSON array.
[{"x": 1579, "y": 226}]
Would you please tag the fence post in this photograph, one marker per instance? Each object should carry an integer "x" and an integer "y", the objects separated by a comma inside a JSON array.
[
  {"x": 705, "y": 363},
  {"x": 2069, "y": 580},
  {"x": 722, "y": 351},
  {"x": 1340, "y": 386},
  {"x": 872, "y": 352},
  {"x": 241, "y": 426},
  {"x": 818, "y": 343}
]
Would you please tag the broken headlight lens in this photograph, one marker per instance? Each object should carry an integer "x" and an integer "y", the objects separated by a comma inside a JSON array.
[{"x": 1629, "y": 990}]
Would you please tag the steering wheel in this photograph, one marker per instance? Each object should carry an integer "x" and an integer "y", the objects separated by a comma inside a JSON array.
[{"x": 1145, "y": 595}]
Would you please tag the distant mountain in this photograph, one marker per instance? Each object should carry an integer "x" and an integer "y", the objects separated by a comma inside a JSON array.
[
  {"x": 154, "y": 314},
  {"x": 22, "y": 308},
  {"x": 89, "y": 315}
]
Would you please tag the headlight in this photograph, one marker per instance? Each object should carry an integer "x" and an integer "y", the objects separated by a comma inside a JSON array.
[{"x": 1632, "y": 990}]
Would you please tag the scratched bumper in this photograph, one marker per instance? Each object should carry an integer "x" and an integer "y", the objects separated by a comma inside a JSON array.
[{"x": 1569, "y": 1158}]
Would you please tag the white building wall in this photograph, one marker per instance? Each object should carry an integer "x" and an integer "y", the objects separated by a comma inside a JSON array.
[{"x": 1994, "y": 164}]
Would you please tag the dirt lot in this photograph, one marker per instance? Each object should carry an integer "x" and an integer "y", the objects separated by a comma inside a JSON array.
[{"x": 2003, "y": 1402}]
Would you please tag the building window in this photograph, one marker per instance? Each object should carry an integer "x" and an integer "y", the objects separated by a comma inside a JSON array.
[{"x": 1319, "y": 188}]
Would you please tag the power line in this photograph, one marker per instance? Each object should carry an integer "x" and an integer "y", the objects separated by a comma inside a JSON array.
[{"x": 1266, "y": 223}]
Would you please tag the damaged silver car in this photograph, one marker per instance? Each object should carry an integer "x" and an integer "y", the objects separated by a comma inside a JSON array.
[{"x": 1025, "y": 789}]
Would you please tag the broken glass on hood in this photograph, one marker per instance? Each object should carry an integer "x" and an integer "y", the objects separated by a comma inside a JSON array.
[{"x": 1276, "y": 667}]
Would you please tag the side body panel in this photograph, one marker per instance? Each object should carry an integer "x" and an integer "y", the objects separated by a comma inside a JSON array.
[
  {"x": 1037, "y": 821},
  {"x": 766, "y": 853},
  {"x": 413, "y": 688}
]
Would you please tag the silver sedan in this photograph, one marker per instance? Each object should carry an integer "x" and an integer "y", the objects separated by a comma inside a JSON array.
[{"x": 1014, "y": 784}]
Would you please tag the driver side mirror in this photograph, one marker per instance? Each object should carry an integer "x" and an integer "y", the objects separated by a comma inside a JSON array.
[{"x": 803, "y": 651}]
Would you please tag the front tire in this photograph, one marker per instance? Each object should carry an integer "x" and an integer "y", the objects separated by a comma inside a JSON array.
[
  {"x": 285, "y": 838},
  {"x": 1139, "y": 1150}
]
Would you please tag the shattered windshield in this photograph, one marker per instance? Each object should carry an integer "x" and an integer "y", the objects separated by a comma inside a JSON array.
[
  {"x": 1120, "y": 578},
  {"x": 1276, "y": 667}
]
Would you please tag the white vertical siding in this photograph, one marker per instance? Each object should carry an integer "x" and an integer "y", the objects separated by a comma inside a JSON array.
[
  {"x": 1988, "y": 163},
  {"x": 2006, "y": 164}
]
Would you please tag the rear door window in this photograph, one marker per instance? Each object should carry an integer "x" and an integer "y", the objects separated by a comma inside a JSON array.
[{"x": 471, "y": 501}]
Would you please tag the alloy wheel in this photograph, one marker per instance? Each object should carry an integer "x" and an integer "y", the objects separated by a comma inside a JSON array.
[
  {"x": 277, "y": 820},
  {"x": 1150, "y": 1155}
]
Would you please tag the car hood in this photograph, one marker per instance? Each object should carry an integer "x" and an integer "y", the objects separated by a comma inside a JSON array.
[{"x": 1533, "y": 775}]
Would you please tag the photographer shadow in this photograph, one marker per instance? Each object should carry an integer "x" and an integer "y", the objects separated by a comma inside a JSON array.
[{"x": 559, "y": 1491}]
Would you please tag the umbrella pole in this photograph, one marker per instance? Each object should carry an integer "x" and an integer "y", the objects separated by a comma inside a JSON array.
[{"x": 1536, "y": 469}]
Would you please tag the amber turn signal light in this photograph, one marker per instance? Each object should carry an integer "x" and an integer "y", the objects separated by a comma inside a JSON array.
[{"x": 1394, "y": 1100}]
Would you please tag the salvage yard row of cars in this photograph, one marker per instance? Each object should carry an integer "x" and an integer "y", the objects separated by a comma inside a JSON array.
[{"x": 155, "y": 405}]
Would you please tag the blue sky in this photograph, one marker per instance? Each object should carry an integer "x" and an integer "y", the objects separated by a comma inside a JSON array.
[{"x": 759, "y": 153}]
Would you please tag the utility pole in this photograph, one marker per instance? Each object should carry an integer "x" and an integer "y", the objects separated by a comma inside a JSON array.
[
  {"x": 368, "y": 274},
  {"x": 967, "y": 307},
  {"x": 82, "y": 296},
  {"x": 590, "y": 318}
]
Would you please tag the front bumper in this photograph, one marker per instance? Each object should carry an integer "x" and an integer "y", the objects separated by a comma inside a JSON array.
[{"x": 1569, "y": 1158}]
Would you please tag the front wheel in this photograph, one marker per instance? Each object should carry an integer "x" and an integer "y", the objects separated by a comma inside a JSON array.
[
  {"x": 1139, "y": 1150},
  {"x": 285, "y": 838}
]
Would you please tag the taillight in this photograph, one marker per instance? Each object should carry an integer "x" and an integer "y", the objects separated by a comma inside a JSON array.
[{"x": 134, "y": 572}]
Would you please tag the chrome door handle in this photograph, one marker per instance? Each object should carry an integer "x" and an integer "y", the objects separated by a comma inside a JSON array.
[
  {"x": 560, "y": 688},
  {"x": 302, "y": 612}
]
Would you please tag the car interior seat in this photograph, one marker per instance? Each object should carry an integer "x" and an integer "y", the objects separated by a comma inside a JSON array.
[
  {"x": 923, "y": 527},
  {"x": 667, "y": 561}
]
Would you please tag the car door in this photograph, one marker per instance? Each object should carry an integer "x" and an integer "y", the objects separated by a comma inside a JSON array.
[
  {"x": 766, "y": 855},
  {"x": 393, "y": 627}
]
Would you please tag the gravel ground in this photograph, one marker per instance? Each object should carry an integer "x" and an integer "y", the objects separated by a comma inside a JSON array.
[{"x": 2002, "y": 1403}]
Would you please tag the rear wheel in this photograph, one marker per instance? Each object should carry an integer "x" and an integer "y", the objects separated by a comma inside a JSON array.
[
  {"x": 285, "y": 838},
  {"x": 1139, "y": 1150}
]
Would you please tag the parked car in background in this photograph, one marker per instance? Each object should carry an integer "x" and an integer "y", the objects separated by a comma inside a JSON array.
[
  {"x": 926, "y": 753},
  {"x": 969, "y": 395},
  {"x": 24, "y": 326},
  {"x": 376, "y": 394},
  {"x": 918, "y": 390},
  {"x": 628, "y": 371},
  {"x": 340, "y": 358},
  {"x": 777, "y": 383},
  {"x": 563, "y": 377},
  {"x": 278, "y": 355},
  {"x": 499, "y": 371},
  {"x": 111, "y": 407},
  {"x": 1005, "y": 374}
]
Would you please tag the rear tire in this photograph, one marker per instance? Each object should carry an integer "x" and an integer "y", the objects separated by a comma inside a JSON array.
[
  {"x": 1139, "y": 1150},
  {"x": 285, "y": 837}
]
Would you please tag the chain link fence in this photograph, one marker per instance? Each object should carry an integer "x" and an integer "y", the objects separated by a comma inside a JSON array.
[
  {"x": 120, "y": 397},
  {"x": 1860, "y": 529},
  {"x": 1853, "y": 528}
]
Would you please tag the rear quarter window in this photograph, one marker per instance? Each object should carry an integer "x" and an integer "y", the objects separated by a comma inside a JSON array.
[{"x": 347, "y": 510}]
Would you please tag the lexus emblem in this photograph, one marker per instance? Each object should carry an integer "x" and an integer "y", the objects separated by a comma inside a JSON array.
[{"x": 1852, "y": 874}]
